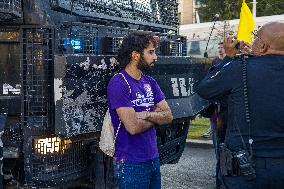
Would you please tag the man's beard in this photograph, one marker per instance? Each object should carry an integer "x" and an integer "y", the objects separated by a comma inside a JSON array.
[{"x": 143, "y": 65}]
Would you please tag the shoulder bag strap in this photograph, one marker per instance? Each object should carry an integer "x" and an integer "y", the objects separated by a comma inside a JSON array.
[
  {"x": 126, "y": 82},
  {"x": 119, "y": 126}
]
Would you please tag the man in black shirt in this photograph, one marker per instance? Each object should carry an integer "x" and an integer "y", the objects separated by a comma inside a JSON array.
[
  {"x": 221, "y": 54},
  {"x": 254, "y": 142}
]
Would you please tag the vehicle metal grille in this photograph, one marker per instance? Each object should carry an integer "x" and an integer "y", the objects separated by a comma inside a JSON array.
[
  {"x": 59, "y": 168},
  {"x": 10, "y": 9},
  {"x": 78, "y": 38},
  {"x": 157, "y": 13},
  {"x": 37, "y": 79},
  {"x": 171, "y": 145}
]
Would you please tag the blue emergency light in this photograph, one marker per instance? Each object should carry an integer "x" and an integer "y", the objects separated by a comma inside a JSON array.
[{"x": 75, "y": 43}]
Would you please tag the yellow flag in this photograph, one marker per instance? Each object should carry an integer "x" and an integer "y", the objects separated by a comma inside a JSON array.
[{"x": 246, "y": 24}]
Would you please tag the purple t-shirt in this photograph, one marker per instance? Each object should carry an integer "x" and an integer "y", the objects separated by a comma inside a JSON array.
[{"x": 145, "y": 93}]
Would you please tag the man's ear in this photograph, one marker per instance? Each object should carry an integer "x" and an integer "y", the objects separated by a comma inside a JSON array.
[{"x": 135, "y": 55}]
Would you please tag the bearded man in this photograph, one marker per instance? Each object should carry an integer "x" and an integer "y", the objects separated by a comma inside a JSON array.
[{"x": 136, "y": 103}]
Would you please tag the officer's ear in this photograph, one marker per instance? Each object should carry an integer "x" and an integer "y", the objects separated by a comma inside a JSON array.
[
  {"x": 264, "y": 47},
  {"x": 135, "y": 56}
]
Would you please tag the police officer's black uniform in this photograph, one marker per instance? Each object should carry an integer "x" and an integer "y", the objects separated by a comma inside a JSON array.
[{"x": 265, "y": 84}]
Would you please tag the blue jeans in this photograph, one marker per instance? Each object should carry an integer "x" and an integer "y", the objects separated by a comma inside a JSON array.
[{"x": 145, "y": 175}]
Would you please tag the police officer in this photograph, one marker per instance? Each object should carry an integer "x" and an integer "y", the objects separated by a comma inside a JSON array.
[{"x": 253, "y": 153}]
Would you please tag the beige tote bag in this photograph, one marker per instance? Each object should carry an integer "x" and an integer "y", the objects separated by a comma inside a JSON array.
[{"x": 107, "y": 139}]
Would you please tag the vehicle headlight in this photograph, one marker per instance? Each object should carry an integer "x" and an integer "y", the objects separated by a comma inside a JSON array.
[{"x": 50, "y": 145}]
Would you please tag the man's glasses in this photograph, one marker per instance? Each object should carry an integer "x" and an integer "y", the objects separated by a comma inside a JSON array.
[{"x": 254, "y": 33}]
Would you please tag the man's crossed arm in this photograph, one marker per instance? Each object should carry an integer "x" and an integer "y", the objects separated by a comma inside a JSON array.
[{"x": 138, "y": 122}]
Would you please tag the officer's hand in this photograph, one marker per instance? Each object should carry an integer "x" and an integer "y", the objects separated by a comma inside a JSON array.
[
  {"x": 245, "y": 48},
  {"x": 230, "y": 46}
]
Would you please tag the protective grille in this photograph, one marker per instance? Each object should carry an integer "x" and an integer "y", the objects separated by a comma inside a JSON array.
[
  {"x": 78, "y": 38},
  {"x": 58, "y": 168},
  {"x": 172, "y": 45},
  {"x": 158, "y": 13},
  {"x": 12, "y": 135},
  {"x": 10, "y": 9},
  {"x": 48, "y": 161},
  {"x": 37, "y": 64},
  {"x": 111, "y": 44},
  {"x": 171, "y": 141}
]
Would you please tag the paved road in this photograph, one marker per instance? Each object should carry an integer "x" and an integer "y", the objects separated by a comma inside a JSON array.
[{"x": 195, "y": 170}]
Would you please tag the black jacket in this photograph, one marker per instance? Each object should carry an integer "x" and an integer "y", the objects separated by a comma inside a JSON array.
[{"x": 266, "y": 102}]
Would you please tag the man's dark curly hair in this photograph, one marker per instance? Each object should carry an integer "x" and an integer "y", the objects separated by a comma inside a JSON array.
[{"x": 136, "y": 41}]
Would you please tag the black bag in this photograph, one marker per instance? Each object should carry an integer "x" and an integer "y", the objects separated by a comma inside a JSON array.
[{"x": 207, "y": 112}]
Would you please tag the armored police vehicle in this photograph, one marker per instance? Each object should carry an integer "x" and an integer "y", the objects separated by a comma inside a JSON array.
[{"x": 56, "y": 57}]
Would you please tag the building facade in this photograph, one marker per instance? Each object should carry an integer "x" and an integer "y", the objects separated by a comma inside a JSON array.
[{"x": 186, "y": 11}]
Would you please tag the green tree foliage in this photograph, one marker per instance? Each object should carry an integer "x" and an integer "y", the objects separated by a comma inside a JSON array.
[
  {"x": 269, "y": 7},
  {"x": 227, "y": 9},
  {"x": 230, "y": 9}
]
